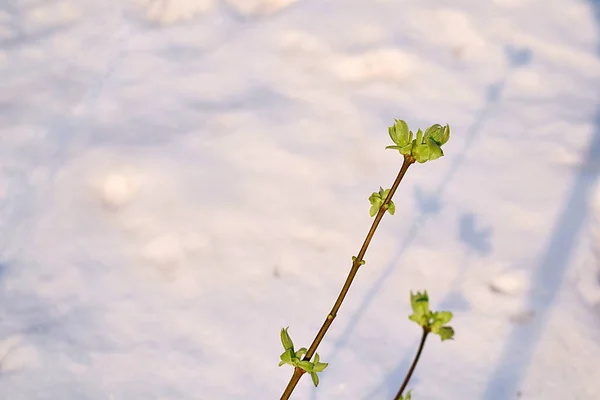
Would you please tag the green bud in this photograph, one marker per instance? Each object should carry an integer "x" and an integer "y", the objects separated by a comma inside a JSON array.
[
  {"x": 362, "y": 262},
  {"x": 399, "y": 133},
  {"x": 439, "y": 134},
  {"x": 425, "y": 147},
  {"x": 286, "y": 340},
  {"x": 432, "y": 321},
  {"x": 376, "y": 202},
  {"x": 420, "y": 306},
  {"x": 434, "y": 132},
  {"x": 419, "y": 302},
  {"x": 377, "y": 199}
]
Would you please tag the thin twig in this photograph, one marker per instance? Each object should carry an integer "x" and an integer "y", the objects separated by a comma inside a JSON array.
[
  {"x": 414, "y": 364},
  {"x": 298, "y": 372}
]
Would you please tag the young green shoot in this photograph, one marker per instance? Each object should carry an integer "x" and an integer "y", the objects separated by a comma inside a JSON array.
[
  {"x": 425, "y": 146},
  {"x": 430, "y": 322}
]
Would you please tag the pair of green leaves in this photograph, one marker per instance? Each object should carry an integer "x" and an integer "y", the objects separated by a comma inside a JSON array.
[
  {"x": 294, "y": 358},
  {"x": 377, "y": 199},
  {"x": 425, "y": 147},
  {"x": 362, "y": 262},
  {"x": 435, "y": 322},
  {"x": 407, "y": 397}
]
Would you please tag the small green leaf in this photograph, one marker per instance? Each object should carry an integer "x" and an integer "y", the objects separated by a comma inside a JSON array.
[
  {"x": 391, "y": 208},
  {"x": 421, "y": 153},
  {"x": 445, "y": 135},
  {"x": 375, "y": 197},
  {"x": 286, "y": 358},
  {"x": 394, "y": 147},
  {"x": 286, "y": 340},
  {"x": 319, "y": 367},
  {"x": 300, "y": 353},
  {"x": 420, "y": 305},
  {"x": 422, "y": 320},
  {"x": 419, "y": 302},
  {"x": 305, "y": 365},
  {"x": 419, "y": 138},
  {"x": 376, "y": 202},
  {"x": 416, "y": 318},
  {"x": 407, "y": 150},
  {"x": 435, "y": 151},
  {"x": 394, "y": 135},
  {"x": 437, "y": 326},
  {"x": 374, "y": 210},
  {"x": 446, "y": 333},
  {"x": 442, "y": 317},
  {"x": 315, "y": 378}
]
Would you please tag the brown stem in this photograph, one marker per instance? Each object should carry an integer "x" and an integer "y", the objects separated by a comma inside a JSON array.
[
  {"x": 408, "y": 160},
  {"x": 414, "y": 364}
]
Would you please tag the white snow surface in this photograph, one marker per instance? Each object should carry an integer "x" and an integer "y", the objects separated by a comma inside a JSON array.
[{"x": 180, "y": 179}]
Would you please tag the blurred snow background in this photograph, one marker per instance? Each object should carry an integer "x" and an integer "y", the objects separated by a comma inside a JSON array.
[{"x": 179, "y": 179}]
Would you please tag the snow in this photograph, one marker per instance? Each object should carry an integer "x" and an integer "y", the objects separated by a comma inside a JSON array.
[
  {"x": 118, "y": 189},
  {"x": 180, "y": 179}
]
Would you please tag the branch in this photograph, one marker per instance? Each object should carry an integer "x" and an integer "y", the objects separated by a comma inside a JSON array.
[{"x": 298, "y": 372}]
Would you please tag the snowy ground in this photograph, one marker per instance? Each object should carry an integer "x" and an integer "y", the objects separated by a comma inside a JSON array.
[{"x": 180, "y": 179}]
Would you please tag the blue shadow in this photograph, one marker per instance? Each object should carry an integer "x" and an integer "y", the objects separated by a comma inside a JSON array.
[
  {"x": 553, "y": 264},
  {"x": 476, "y": 239},
  {"x": 430, "y": 204}
]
